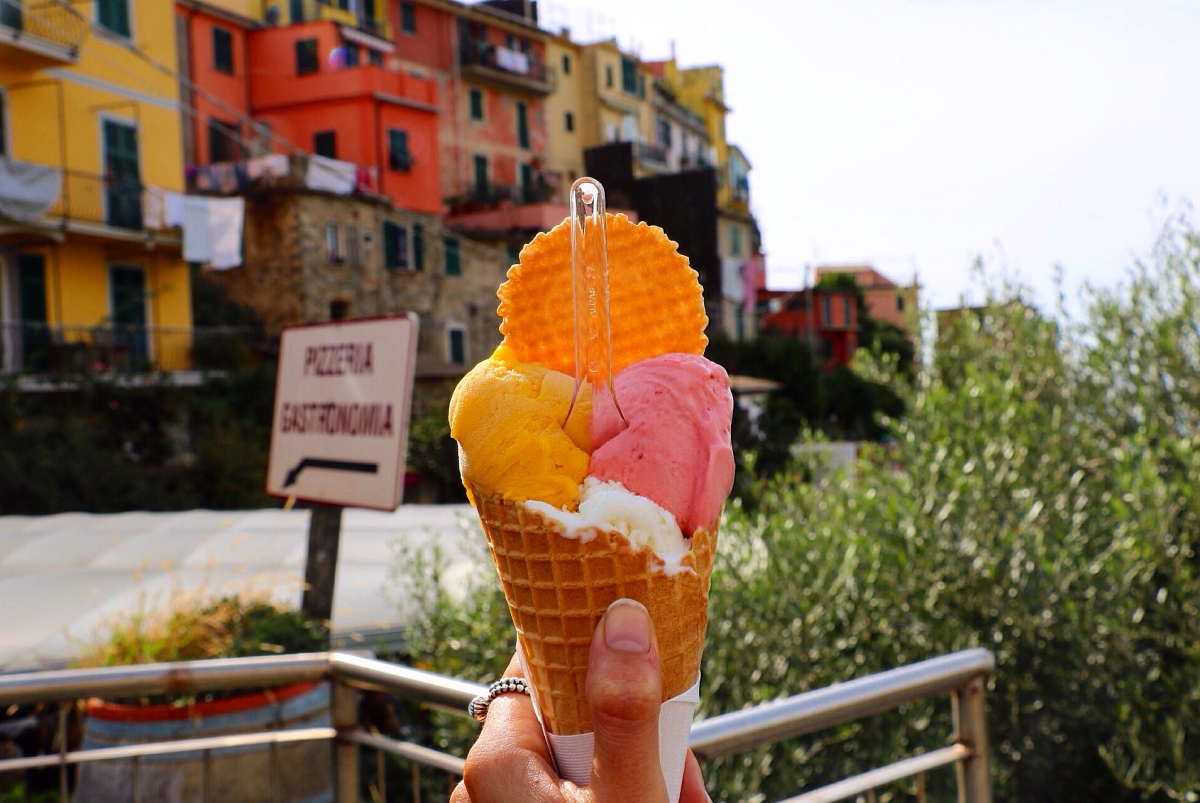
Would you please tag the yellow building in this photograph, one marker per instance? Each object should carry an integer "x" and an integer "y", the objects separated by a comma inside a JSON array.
[
  {"x": 564, "y": 114},
  {"x": 90, "y": 138},
  {"x": 613, "y": 94}
]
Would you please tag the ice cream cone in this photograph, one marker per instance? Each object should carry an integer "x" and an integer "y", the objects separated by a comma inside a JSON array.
[{"x": 559, "y": 587}]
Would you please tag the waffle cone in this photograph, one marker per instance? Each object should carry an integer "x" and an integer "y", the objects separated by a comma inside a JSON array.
[{"x": 558, "y": 588}]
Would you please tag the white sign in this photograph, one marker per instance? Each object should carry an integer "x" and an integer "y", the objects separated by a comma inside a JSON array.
[{"x": 342, "y": 401}]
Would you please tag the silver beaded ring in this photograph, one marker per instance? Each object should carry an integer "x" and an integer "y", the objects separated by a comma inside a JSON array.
[{"x": 478, "y": 707}]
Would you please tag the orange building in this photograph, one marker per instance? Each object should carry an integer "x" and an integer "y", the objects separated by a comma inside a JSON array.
[
  {"x": 827, "y": 318},
  {"x": 327, "y": 83},
  {"x": 886, "y": 301}
]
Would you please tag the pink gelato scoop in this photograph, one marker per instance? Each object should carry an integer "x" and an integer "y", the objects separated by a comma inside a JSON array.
[{"x": 676, "y": 449}]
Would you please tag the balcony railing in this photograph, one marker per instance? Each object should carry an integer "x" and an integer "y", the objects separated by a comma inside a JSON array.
[
  {"x": 120, "y": 349},
  {"x": 962, "y": 676},
  {"x": 51, "y": 29},
  {"x": 654, "y": 155},
  {"x": 485, "y": 60}
]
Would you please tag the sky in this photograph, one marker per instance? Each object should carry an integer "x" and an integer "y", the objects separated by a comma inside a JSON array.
[{"x": 919, "y": 135}]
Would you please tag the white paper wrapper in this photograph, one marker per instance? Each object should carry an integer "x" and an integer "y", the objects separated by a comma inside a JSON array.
[{"x": 573, "y": 754}]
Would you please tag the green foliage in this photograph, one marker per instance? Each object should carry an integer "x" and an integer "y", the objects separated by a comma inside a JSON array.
[
  {"x": 19, "y": 793},
  {"x": 434, "y": 454},
  {"x": 1039, "y": 499}
]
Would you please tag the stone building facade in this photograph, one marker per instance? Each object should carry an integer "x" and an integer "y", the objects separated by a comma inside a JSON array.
[{"x": 313, "y": 256}]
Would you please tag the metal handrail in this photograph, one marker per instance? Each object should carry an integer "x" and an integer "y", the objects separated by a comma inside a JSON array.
[
  {"x": 836, "y": 705},
  {"x": 960, "y": 675}
]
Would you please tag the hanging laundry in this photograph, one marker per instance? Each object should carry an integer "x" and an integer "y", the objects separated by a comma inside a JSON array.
[
  {"x": 154, "y": 204},
  {"x": 27, "y": 191},
  {"x": 212, "y": 230},
  {"x": 225, "y": 219},
  {"x": 197, "y": 239},
  {"x": 173, "y": 209},
  {"x": 364, "y": 178},
  {"x": 330, "y": 175},
  {"x": 270, "y": 167}
]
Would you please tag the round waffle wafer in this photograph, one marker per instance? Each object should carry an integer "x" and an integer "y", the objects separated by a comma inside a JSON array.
[{"x": 656, "y": 302}]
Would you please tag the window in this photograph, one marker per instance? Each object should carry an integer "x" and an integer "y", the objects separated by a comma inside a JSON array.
[
  {"x": 664, "y": 132},
  {"x": 510, "y": 41},
  {"x": 611, "y": 132},
  {"x": 122, "y": 176},
  {"x": 418, "y": 247},
  {"x": 223, "y": 145},
  {"x": 570, "y": 121},
  {"x": 352, "y": 246},
  {"x": 641, "y": 86},
  {"x": 339, "y": 309},
  {"x": 113, "y": 15},
  {"x": 900, "y": 303},
  {"x": 456, "y": 345},
  {"x": 566, "y": 64},
  {"x": 222, "y": 50},
  {"x": 295, "y": 11},
  {"x": 453, "y": 258},
  {"x": 827, "y": 311},
  {"x": 522, "y": 125},
  {"x": 353, "y": 55},
  {"x": 629, "y": 76},
  {"x": 608, "y": 81},
  {"x": 735, "y": 240},
  {"x": 527, "y": 183},
  {"x": 846, "y": 311},
  {"x": 333, "y": 243},
  {"x": 514, "y": 253},
  {"x": 476, "y": 104},
  {"x": 398, "y": 156},
  {"x": 375, "y": 57},
  {"x": 306, "y": 56},
  {"x": 481, "y": 175},
  {"x": 395, "y": 246},
  {"x": 827, "y": 345},
  {"x": 325, "y": 144},
  {"x": 629, "y": 128},
  {"x": 408, "y": 17}
]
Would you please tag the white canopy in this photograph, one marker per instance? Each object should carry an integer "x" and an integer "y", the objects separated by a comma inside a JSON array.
[{"x": 65, "y": 579}]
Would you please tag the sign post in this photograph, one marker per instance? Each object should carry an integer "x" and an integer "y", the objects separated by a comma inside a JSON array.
[{"x": 339, "y": 430}]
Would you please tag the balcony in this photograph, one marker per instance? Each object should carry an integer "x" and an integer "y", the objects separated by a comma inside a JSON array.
[
  {"x": 112, "y": 351},
  {"x": 43, "y": 35},
  {"x": 507, "y": 69},
  {"x": 652, "y": 157},
  {"x": 105, "y": 206}
]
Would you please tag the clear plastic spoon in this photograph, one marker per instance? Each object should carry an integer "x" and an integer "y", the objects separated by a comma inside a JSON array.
[{"x": 589, "y": 290}]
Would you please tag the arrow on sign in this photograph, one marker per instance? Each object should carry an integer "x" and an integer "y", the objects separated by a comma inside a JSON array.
[{"x": 331, "y": 465}]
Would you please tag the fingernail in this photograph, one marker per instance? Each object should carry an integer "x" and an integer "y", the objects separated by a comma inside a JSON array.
[{"x": 627, "y": 627}]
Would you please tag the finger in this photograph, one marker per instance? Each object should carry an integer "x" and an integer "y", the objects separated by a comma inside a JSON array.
[
  {"x": 693, "y": 790},
  {"x": 624, "y": 691},
  {"x": 510, "y": 760}
]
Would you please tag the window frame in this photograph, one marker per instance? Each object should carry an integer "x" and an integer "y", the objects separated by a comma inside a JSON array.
[
  {"x": 303, "y": 66},
  {"x": 317, "y": 139},
  {"x": 400, "y": 161},
  {"x": 452, "y": 329},
  {"x": 451, "y": 246},
  {"x": 102, "y": 5},
  {"x": 222, "y": 38},
  {"x": 399, "y": 249}
]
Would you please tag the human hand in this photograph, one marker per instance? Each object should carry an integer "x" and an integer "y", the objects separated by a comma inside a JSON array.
[{"x": 510, "y": 762}]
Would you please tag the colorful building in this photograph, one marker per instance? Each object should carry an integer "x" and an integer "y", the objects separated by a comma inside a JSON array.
[
  {"x": 90, "y": 138},
  {"x": 885, "y": 300},
  {"x": 565, "y": 134},
  {"x": 826, "y": 318},
  {"x": 319, "y": 79}
]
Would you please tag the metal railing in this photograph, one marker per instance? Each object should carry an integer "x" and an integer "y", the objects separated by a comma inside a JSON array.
[
  {"x": 484, "y": 54},
  {"x": 104, "y": 200},
  {"x": 961, "y": 675},
  {"x": 38, "y": 348},
  {"x": 52, "y": 21}
]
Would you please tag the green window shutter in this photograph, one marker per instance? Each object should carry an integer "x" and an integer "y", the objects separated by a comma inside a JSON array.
[
  {"x": 123, "y": 182},
  {"x": 522, "y": 125},
  {"x": 476, "y": 104},
  {"x": 458, "y": 349},
  {"x": 481, "y": 175},
  {"x": 114, "y": 15},
  {"x": 453, "y": 261},
  {"x": 418, "y": 247},
  {"x": 391, "y": 253},
  {"x": 398, "y": 156}
]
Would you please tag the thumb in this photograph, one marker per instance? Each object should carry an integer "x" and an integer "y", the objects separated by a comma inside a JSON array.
[{"x": 624, "y": 692}]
